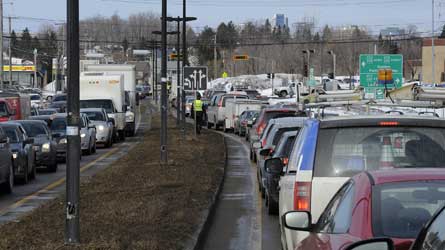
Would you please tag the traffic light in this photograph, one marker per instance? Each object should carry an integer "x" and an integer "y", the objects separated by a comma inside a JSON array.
[
  {"x": 270, "y": 75},
  {"x": 305, "y": 70}
]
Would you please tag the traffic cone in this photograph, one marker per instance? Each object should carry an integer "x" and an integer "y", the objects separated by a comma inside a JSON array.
[{"x": 387, "y": 157}]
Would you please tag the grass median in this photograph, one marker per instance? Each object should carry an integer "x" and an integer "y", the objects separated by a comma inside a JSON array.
[{"x": 136, "y": 203}]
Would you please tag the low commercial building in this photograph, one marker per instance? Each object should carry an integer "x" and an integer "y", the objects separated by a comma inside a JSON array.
[{"x": 439, "y": 61}]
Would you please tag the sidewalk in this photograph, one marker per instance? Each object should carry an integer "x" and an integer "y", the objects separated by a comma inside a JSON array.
[{"x": 136, "y": 203}]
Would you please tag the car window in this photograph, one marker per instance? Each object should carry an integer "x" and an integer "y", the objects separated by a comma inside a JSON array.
[
  {"x": 33, "y": 130},
  {"x": 346, "y": 151},
  {"x": 280, "y": 132},
  {"x": 401, "y": 209},
  {"x": 435, "y": 236},
  {"x": 12, "y": 134},
  {"x": 95, "y": 116},
  {"x": 58, "y": 124},
  {"x": 294, "y": 156},
  {"x": 3, "y": 109},
  {"x": 337, "y": 216},
  {"x": 288, "y": 146}
]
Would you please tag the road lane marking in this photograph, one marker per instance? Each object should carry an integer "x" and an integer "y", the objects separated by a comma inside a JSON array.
[{"x": 54, "y": 184}]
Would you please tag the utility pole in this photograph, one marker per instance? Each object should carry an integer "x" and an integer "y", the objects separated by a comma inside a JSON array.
[
  {"x": 153, "y": 68},
  {"x": 164, "y": 157},
  {"x": 184, "y": 60},
  {"x": 178, "y": 74},
  {"x": 433, "y": 56},
  {"x": 156, "y": 75},
  {"x": 215, "y": 58},
  {"x": 35, "y": 69},
  {"x": 72, "y": 227},
  {"x": 1, "y": 44},
  {"x": 10, "y": 52}
]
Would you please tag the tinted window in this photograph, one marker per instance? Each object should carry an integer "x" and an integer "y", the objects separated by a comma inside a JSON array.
[
  {"x": 346, "y": 151},
  {"x": 3, "y": 109},
  {"x": 435, "y": 237},
  {"x": 47, "y": 112},
  {"x": 35, "y": 97},
  {"x": 58, "y": 124},
  {"x": 337, "y": 216},
  {"x": 59, "y": 98},
  {"x": 277, "y": 114},
  {"x": 105, "y": 104},
  {"x": 288, "y": 147},
  {"x": 280, "y": 132},
  {"x": 33, "y": 130},
  {"x": 95, "y": 116},
  {"x": 12, "y": 134},
  {"x": 400, "y": 210}
]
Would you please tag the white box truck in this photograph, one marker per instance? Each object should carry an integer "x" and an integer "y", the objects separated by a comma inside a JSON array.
[
  {"x": 99, "y": 91},
  {"x": 234, "y": 108},
  {"x": 129, "y": 73}
]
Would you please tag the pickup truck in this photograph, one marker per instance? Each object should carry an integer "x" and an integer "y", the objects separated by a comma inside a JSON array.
[{"x": 289, "y": 90}]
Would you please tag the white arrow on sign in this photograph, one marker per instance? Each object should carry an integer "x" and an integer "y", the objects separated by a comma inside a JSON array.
[{"x": 363, "y": 64}]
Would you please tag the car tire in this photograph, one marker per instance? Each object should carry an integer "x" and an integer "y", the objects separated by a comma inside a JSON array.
[
  {"x": 283, "y": 93},
  {"x": 25, "y": 178},
  {"x": 109, "y": 143},
  {"x": 33, "y": 173},
  {"x": 7, "y": 186},
  {"x": 94, "y": 147},
  {"x": 121, "y": 135},
  {"x": 53, "y": 167},
  {"x": 272, "y": 206}
]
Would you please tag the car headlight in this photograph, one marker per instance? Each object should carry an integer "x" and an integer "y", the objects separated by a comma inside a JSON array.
[
  {"x": 100, "y": 127},
  {"x": 14, "y": 155},
  {"x": 46, "y": 148},
  {"x": 82, "y": 135},
  {"x": 63, "y": 141},
  {"x": 129, "y": 116}
]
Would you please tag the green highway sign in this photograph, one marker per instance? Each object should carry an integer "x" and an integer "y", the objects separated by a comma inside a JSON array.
[
  {"x": 369, "y": 69},
  {"x": 311, "y": 81}
]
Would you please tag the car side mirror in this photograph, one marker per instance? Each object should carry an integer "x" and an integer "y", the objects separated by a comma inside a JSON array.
[
  {"x": 372, "y": 244},
  {"x": 112, "y": 121},
  {"x": 4, "y": 139},
  {"x": 274, "y": 166},
  {"x": 265, "y": 152},
  {"x": 297, "y": 220}
]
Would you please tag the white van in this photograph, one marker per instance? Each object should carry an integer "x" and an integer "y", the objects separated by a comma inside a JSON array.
[{"x": 234, "y": 108}]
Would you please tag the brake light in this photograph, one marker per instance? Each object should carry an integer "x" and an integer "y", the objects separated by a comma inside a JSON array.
[
  {"x": 263, "y": 142},
  {"x": 261, "y": 128},
  {"x": 389, "y": 124},
  {"x": 302, "y": 196},
  {"x": 220, "y": 103}
]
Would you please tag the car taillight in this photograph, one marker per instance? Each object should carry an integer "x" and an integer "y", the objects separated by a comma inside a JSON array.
[
  {"x": 260, "y": 129},
  {"x": 302, "y": 196},
  {"x": 220, "y": 103},
  {"x": 263, "y": 142}
]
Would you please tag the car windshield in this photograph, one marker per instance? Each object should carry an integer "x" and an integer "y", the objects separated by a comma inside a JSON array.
[
  {"x": 58, "y": 124},
  {"x": 278, "y": 114},
  {"x": 59, "y": 98},
  {"x": 11, "y": 133},
  {"x": 47, "y": 112},
  {"x": 34, "y": 129},
  {"x": 400, "y": 210},
  {"x": 105, "y": 104},
  {"x": 95, "y": 116},
  {"x": 346, "y": 151}
]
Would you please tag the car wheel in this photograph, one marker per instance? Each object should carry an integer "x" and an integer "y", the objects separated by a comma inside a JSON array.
[
  {"x": 9, "y": 183},
  {"x": 53, "y": 167},
  {"x": 283, "y": 93},
  {"x": 121, "y": 135},
  {"x": 94, "y": 146},
  {"x": 272, "y": 206},
  {"x": 25, "y": 178},
  {"x": 33, "y": 173},
  {"x": 109, "y": 143}
]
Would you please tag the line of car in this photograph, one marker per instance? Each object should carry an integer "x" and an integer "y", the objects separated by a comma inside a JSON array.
[{"x": 348, "y": 181}]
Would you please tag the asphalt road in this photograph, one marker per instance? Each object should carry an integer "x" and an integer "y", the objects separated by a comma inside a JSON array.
[
  {"x": 240, "y": 220},
  {"x": 48, "y": 186}
]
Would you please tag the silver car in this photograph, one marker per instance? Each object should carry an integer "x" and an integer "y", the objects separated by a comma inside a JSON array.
[{"x": 104, "y": 125}]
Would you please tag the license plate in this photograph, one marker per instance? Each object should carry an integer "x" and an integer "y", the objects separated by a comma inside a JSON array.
[{"x": 36, "y": 148}]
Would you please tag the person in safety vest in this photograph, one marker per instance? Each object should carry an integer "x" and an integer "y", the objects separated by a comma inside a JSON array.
[{"x": 198, "y": 107}]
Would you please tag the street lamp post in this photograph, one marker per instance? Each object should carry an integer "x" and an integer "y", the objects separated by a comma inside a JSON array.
[
  {"x": 178, "y": 49},
  {"x": 334, "y": 62},
  {"x": 308, "y": 52},
  {"x": 164, "y": 104}
]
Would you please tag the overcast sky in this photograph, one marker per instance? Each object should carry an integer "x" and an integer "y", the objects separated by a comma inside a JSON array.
[{"x": 375, "y": 14}]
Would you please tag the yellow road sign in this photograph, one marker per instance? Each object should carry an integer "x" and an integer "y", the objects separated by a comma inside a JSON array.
[
  {"x": 28, "y": 68},
  {"x": 225, "y": 75}
]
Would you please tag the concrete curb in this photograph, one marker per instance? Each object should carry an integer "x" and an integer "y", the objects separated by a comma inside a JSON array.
[{"x": 196, "y": 239}]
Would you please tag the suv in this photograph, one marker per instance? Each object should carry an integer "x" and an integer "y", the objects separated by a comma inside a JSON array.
[
  {"x": 216, "y": 108},
  {"x": 329, "y": 151}
]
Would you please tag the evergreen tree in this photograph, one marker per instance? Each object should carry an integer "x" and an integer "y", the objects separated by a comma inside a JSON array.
[
  {"x": 14, "y": 45},
  {"x": 125, "y": 44},
  {"x": 442, "y": 35}
]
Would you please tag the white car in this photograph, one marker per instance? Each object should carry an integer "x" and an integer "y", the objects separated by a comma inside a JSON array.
[
  {"x": 217, "y": 107},
  {"x": 36, "y": 100},
  {"x": 87, "y": 135},
  {"x": 104, "y": 125}
]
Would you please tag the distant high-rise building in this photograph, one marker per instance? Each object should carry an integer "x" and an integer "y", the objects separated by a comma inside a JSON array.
[{"x": 280, "y": 20}]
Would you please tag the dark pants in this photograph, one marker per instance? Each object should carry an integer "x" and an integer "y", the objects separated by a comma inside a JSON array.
[{"x": 198, "y": 121}]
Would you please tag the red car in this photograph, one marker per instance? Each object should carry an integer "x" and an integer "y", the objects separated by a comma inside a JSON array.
[{"x": 393, "y": 203}]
